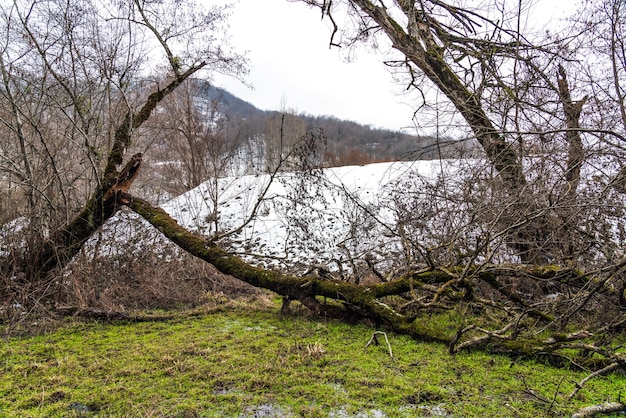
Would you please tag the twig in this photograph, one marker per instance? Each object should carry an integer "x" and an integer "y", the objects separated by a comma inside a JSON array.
[
  {"x": 556, "y": 393},
  {"x": 375, "y": 341},
  {"x": 600, "y": 372},
  {"x": 498, "y": 334},
  {"x": 458, "y": 335}
]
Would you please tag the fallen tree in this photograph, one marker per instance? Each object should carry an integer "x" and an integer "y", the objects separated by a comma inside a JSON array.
[{"x": 518, "y": 328}]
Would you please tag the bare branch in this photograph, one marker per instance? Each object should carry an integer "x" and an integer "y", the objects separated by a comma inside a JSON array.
[
  {"x": 579, "y": 386},
  {"x": 375, "y": 341}
]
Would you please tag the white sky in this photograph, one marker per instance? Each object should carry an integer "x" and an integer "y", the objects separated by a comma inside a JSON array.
[{"x": 292, "y": 67}]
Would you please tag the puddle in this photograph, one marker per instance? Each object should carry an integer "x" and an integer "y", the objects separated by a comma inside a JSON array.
[
  {"x": 265, "y": 410},
  {"x": 372, "y": 413}
]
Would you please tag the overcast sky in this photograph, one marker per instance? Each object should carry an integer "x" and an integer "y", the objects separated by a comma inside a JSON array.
[{"x": 291, "y": 65}]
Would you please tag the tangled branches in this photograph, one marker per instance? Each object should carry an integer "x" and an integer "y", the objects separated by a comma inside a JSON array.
[{"x": 517, "y": 317}]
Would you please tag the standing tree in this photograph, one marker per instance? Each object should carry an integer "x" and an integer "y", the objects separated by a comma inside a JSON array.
[
  {"x": 193, "y": 140},
  {"x": 281, "y": 132},
  {"x": 192, "y": 134},
  {"x": 511, "y": 90}
]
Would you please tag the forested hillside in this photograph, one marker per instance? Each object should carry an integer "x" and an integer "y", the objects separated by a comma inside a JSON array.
[
  {"x": 206, "y": 132},
  {"x": 348, "y": 142}
]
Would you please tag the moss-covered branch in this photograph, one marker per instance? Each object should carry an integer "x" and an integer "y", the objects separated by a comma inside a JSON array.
[
  {"x": 351, "y": 300},
  {"x": 361, "y": 301}
]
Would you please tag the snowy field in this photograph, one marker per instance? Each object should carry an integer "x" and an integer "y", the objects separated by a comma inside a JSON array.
[
  {"x": 293, "y": 222},
  {"x": 333, "y": 217},
  {"x": 296, "y": 225}
]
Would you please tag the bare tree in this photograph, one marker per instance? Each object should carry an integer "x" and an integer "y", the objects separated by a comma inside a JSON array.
[
  {"x": 76, "y": 97},
  {"x": 282, "y": 131},
  {"x": 193, "y": 134},
  {"x": 514, "y": 94}
]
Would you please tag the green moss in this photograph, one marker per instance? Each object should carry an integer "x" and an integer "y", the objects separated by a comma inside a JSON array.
[{"x": 235, "y": 362}]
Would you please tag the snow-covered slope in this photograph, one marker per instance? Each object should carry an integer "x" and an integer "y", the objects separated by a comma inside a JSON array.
[
  {"x": 339, "y": 215},
  {"x": 333, "y": 215}
]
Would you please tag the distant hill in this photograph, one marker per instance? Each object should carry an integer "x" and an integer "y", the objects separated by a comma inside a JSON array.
[
  {"x": 348, "y": 142},
  {"x": 230, "y": 104},
  {"x": 207, "y": 132}
]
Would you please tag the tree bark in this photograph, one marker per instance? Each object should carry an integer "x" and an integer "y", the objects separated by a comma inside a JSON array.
[
  {"x": 605, "y": 408},
  {"x": 572, "y": 110},
  {"x": 421, "y": 49},
  {"x": 353, "y": 301},
  {"x": 65, "y": 243}
]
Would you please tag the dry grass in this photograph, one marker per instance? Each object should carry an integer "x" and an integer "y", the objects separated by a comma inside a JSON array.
[
  {"x": 142, "y": 281},
  {"x": 150, "y": 283}
]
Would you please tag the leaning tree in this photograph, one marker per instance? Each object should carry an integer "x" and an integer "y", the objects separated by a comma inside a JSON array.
[
  {"x": 80, "y": 79},
  {"x": 509, "y": 87}
]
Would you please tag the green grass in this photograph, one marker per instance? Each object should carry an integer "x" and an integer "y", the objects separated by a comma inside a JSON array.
[{"x": 251, "y": 362}]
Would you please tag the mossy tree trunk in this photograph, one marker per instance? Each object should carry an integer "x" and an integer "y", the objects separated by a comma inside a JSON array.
[
  {"x": 67, "y": 241},
  {"x": 375, "y": 304}
]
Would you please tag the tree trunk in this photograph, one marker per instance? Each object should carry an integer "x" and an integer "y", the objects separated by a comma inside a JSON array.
[
  {"x": 353, "y": 301},
  {"x": 423, "y": 51},
  {"x": 575, "y": 154},
  {"x": 65, "y": 243}
]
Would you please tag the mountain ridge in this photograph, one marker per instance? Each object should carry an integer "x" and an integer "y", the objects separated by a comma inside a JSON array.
[{"x": 348, "y": 142}]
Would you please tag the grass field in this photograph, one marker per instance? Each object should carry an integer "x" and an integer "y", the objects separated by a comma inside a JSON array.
[{"x": 249, "y": 361}]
